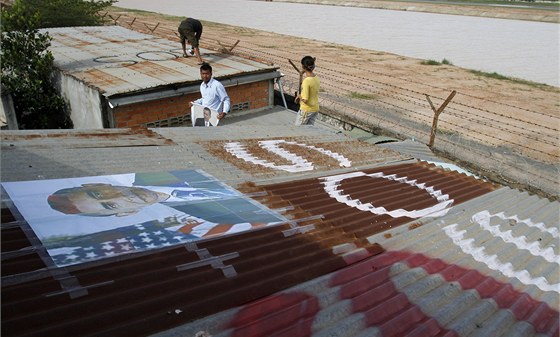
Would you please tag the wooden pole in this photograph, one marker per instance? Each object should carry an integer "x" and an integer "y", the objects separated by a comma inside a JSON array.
[
  {"x": 234, "y": 45},
  {"x": 227, "y": 50},
  {"x": 300, "y": 76},
  {"x": 437, "y": 112},
  {"x": 114, "y": 18}
]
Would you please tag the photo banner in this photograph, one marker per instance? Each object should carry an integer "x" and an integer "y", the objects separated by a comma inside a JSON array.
[
  {"x": 91, "y": 218},
  {"x": 203, "y": 116}
]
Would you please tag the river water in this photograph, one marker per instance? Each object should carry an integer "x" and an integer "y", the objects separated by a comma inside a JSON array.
[{"x": 522, "y": 49}]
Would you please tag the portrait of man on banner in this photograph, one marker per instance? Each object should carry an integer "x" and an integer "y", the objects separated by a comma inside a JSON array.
[
  {"x": 203, "y": 116},
  {"x": 90, "y": 218}
]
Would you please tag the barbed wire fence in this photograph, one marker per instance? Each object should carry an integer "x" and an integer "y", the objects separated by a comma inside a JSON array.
[{"x": 517, "y": 151}]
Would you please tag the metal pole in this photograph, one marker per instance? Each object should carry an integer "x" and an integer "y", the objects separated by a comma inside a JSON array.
[{"x": 279, "y": 82}]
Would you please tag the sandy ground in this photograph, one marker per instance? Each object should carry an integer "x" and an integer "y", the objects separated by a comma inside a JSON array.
[{"x": 508, "y": 129}]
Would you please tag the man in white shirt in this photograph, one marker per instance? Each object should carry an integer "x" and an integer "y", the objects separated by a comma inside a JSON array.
[{"x": 214, "y": 95}]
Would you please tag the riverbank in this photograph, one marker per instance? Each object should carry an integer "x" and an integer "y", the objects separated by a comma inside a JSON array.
[{"x": 527, "y": 13}]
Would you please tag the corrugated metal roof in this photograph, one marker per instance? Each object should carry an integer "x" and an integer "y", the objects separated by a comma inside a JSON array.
[
  {"x": 286, "y": 256},
  {"x": 487, "y": 268},
  {"x": 79, "y": 139},
  {"x": 508, "y": 235},
  {"x": 374, "y": 200},
  {"x": 428, "y": 282},
  {"x": 117, "y": 60},
  {"x": 412, "y": 148},
  {"x": 422, "y": 152},
  {"x": 193, "y": 149}
]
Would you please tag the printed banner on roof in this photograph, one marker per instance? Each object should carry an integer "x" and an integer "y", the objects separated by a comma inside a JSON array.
[{"x": 91, "y": 218}]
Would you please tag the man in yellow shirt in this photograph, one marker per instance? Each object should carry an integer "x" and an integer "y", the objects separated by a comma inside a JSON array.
[{"x": 309, "y": 96}]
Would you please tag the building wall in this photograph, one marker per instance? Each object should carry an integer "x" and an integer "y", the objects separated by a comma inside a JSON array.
[
  {"x": 175, "y": 110},
  {"x": 84, "y": 102},
  {"x": 8, "y": 119}
]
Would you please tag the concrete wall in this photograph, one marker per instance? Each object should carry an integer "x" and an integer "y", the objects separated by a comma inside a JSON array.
[
  {"x": 86, "y": 105},
  {"x": 8, "y": 119},
  {"x": 84, "y": 102}
]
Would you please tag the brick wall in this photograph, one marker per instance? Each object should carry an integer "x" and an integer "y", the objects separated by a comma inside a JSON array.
[{"x": 257, "y": 94}]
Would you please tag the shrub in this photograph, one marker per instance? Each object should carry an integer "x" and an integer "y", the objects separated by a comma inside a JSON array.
[
  {"x": 436, "y": 63},
  {"x": 26, "y": 71},
  {"x": 76, "y": 12},
  {"x": 430, "y": 62}
]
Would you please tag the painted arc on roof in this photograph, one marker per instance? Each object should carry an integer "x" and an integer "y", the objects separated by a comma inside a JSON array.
[
  {"x": 299, "y": 164},
  {"x": 373, "y": 200},
  {"x": 467, "y": 241},
  {"x": 332, "y": 187}
]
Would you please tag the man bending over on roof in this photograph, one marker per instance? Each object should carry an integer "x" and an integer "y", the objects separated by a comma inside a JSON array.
[{"x": 191, "y": 29}]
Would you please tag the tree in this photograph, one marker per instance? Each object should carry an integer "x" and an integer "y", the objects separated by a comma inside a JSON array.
[
  {"x": 75, "y": 12},
  {"x": 27, "y": 67},
  {"x": 27, "y": 64}
]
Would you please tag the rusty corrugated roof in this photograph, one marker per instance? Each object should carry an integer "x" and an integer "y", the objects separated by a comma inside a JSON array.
[
  {"x": 487, "y": 268},
  {"x": 151, "y": 293},
  {"x": 396, "y": 293},
  {"x": 373, "y": 200},
  {"x": 77, "y": 139},
  {"x": 265, "y": 261},
  {"x": 116, "y": 60}
]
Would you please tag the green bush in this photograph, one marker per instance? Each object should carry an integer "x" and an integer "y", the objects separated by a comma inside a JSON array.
[
  {"x": 67, "y": 13},
  {"x": 436, "y": 63},
  {"x": 27, "y": 64},
  {"x": 430, "y": 63}
]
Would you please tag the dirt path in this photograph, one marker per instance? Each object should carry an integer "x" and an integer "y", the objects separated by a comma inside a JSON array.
[{"x": 508, "y": 130}]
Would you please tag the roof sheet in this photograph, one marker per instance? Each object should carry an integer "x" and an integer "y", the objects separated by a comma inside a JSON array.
[
  {"x": 373, "y": 200},
  {"x": 487, "y": 268},
  {"x": 377, "y": 248},
  {"x": 79, "y": 139},
  {"x": 185, "y": 148},
  {"x": 117, "y": 60}
]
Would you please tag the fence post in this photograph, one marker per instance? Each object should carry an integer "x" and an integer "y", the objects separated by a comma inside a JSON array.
[{"x": 437, "y": 112}]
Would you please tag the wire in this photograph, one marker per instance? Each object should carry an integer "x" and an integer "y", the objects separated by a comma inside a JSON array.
[{"x": 398, "y": 105}]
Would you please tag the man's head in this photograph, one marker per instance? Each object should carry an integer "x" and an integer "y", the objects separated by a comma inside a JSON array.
[
  {"x": 205, "y": 72},
  {"x": 103, "y": 200},
  {"x": 207, "y": 113}
]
